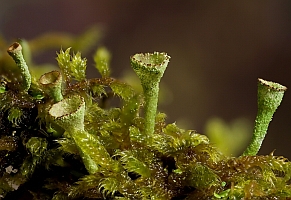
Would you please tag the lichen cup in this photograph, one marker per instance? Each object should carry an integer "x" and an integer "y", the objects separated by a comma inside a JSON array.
[
  {"x": 51, "y": 84},
  {"x": 150, "y": 68}
]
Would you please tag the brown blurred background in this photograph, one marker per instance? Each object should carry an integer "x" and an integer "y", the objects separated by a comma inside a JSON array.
[{"x": 218, "y": 50}]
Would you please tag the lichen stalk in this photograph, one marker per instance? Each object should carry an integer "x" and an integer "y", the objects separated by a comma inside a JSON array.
[
  {"x": 270, "y": 95},
  {"x": 15, "y": 51},
  {"x": 51, "y": 83},
  {"x": 151, "y": 108},
  {"x": 150, "y": 68}
]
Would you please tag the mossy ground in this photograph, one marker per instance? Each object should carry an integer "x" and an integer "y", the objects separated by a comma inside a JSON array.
[{"x": 40, "y": 160}]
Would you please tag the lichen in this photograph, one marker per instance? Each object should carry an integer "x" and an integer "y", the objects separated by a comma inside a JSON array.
[{"x": 69, "y": 137}]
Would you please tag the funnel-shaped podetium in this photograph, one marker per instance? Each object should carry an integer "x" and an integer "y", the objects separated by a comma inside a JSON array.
[
  {"x": 69, "y": 113},
  {"x": 51, "y": 83},
  {"x": 15, "y": 51},
  {"x": 270, "y": 95},
  {"x": 150, "y": 68}
]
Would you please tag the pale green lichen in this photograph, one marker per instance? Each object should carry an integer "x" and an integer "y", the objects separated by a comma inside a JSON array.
[
  {"x": 15, "y": 51},
  {"x": 51, "y": 84},
  {"x": 69, "y": 113},
  {"x": 270, "y": 95},
  {"x": 150, "y": 68}
]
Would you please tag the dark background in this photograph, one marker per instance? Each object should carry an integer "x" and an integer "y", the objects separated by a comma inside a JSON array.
[{"x": 218, "y": 50}]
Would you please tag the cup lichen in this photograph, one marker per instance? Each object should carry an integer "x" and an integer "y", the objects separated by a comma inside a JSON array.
[
  {"x": 15, "y": 51},
  {"x": 73, "y": 146},
  {"x": 270, "y": 95},
  {"x": 150, "y": 68},
  {"x": 51, "y": 83}
]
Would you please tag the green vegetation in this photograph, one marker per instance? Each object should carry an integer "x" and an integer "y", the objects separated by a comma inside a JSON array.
[{"x": 61, "y": 138}]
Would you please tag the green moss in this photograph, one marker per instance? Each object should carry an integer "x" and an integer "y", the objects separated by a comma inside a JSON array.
[
  {"x": 73, "y": 140},
  {"x": 14, "y": 115},
  {"x": 72, "y": 66},
  {"x": 102, "y": 59},
  {"x": 150, "y": 68}
]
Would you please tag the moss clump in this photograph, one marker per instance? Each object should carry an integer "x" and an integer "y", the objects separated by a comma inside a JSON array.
[{"x": 63, "y": 141}]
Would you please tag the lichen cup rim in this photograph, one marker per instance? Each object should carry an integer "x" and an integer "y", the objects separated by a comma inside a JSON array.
[
  {"x": 50, "y": 78},
  {"x": 69, "y": 112}
]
